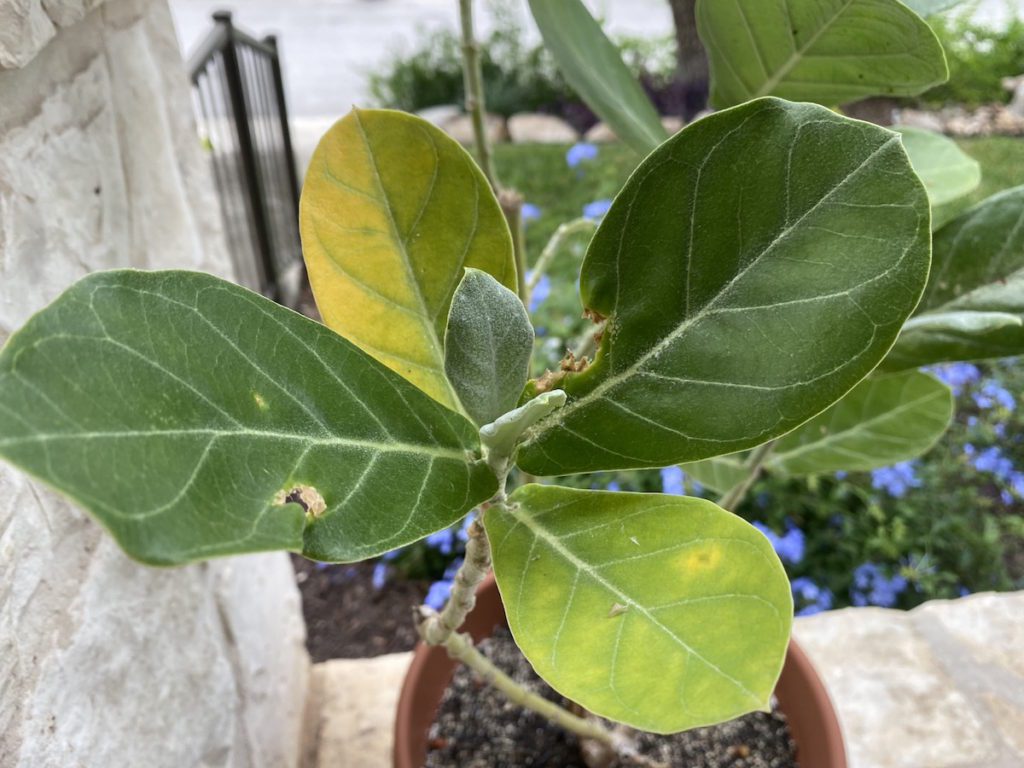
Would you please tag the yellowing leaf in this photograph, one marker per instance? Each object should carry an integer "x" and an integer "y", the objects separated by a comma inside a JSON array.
[
  {"x": 392, "y": 212},
  {"x": 662, "y": 612}
]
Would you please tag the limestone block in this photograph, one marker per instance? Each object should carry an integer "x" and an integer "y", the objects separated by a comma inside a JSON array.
[
  {"x": 26, "y": 26},
  {"x": 357, "y": 701},
  {"x": 104, "y": 662},
  {"x": 939, "y": 687},
  {"x": 600, "y": 133},
  {"x": 461, "y": 129},
  {"x": 528, "y": 127}
]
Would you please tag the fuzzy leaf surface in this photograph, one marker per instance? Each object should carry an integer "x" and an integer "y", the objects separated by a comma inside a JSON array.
[
  {"x": 884, "y": 420},
  {"x": 978, "y": 267},
  {"x": 824, "y": 51},
  {"x": 594, "y": 68},
  {"x": 487, "y": 346},
  {"x": 392, "y": 211},
  {"x": 661, "y": 612},
  {"x": 735, "y": 315},
  {"x": 948, "y": 173},
  {"x": 182, "y": 410}
]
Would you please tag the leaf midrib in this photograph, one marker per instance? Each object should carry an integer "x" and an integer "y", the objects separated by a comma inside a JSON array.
[
  {"x": 425, "y": 319},
  {"x": 308, "y": 440},
  {"x": 613, "y": 380},
  {"x": 798, "y": 53},
  {"x": 540, "y": 532}
]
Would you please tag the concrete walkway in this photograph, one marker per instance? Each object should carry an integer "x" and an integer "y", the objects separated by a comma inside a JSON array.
[{"x": 939, "y": 687}]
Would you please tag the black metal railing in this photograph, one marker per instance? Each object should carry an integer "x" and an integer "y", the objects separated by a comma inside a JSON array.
[{"x": 240, "y": 108}]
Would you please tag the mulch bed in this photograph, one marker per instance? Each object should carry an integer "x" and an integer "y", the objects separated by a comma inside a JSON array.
[{"x": 347, "y": 617}]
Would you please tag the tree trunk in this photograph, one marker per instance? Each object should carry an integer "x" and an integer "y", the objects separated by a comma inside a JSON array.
[{"x": 691, "y": 58}]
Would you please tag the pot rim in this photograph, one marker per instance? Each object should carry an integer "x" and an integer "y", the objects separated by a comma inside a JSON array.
[{"x": 800, "y": 692}]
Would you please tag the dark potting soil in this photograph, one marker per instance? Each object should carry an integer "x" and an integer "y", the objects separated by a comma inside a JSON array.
[
  {"x": 348, "y": 618},
  {"x": 476, "y": 727}
]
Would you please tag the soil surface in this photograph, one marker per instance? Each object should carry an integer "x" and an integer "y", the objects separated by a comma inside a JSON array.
[
  {"x": 348, "y": 618},
  {"x": 477, "y": 728}
]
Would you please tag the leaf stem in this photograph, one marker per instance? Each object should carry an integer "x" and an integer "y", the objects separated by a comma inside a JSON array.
[
  {"x": 754, "y": 465},
  {"x": 563, "y": 233},
  {"x": 472, "y": 76},
  {"x": 460, "y": 647}
]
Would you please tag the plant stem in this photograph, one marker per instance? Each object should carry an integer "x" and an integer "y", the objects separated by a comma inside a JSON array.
[
  {"x": 460, "y": 647},
  {"x": 755, "y": 463},
  {"x": 440, "y": 629},
  {"x": 472, "y": 75},
  {"x": 512, "y": 206},
  {"x": 563, "y": 233}
]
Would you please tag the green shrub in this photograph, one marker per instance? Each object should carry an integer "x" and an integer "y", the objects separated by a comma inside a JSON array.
[{"x": 979, "y": 58}]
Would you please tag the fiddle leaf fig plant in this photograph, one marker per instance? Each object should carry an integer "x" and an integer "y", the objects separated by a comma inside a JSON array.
[{"x": 745, "y": 284}]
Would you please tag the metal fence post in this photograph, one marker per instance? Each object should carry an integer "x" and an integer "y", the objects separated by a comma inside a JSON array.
[
  {"x": 293, "y": 176},
  {"x": 246, "y": 148}
]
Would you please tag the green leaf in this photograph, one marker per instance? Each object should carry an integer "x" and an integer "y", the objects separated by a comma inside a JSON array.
[
  {"x": 735, "y": 315},
  {"x": 930, "y": 7},
  {"x": 825, "y": 51},
  {"x": 884, "y": 420},
  {"x": 594, "y": 68},
  {"x": 487, "y": 346},
  {"x": 662, "y": 612},
  {"x": 977, "y": 279},
  {"x": 719, "y": 473},
  {"x": 184, "y": 411},
  {"x": 947, "y": 172},
  {"x": 392, "y": 211}
]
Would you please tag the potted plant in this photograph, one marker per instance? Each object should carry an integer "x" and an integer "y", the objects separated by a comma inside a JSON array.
[{"x": 745, "y": 284}]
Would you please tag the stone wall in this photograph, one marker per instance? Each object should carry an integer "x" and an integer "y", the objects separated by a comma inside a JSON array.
[{"x": 104, "y": 663}]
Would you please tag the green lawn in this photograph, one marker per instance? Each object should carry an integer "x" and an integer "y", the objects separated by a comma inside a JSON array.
[{"x": 541, "y": 174}]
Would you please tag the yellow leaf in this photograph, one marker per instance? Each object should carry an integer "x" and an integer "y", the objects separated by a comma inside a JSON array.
[{"x": 392, "y": 212}]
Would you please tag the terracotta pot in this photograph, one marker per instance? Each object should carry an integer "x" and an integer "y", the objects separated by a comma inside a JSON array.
[{"x": 801, "y": 694}]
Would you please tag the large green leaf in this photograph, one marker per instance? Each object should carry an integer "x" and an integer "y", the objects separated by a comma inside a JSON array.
[
  {"x": 184, "y": 412},
  {"x": 735, "y": 315},
  {"x": 826, "y": 51},
  {"x": 392, "y": 212},
  {"x": 719, "y": 473},
  {"x": 884, "y": 420},
  {"x": 947, "y": 172},
  {"x": 487, "y": 346},
  {"x": 975, "y": 289},
  {"x": 594, "y": 68},
  {"x": 662, "y": 612}
]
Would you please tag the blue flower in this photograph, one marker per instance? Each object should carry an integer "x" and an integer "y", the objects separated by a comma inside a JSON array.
[
  {"x": 956, "y": 375},
  {"x": 442, "y": 541},
  {"x": 672, "y": 479},
  {"x": 993, "y": 394},
  {"x": 596, "y": 210},
  {"x": 387, "y": 557},
  {"x": 789, "y": 546},
  {"x": 872, "y": 587},
  {"x": 579, "y": 152},
  {"x": 530, "y": 212},
  {"x": 895, "y": 480},
  {"x": 540, "y": 292},
  {"x": 962, "y": 591},
  {"x": 811, "y": 597},
  {"x": 380, "y": 575},
  {"x": 438, "y": 594},
  {"x": 613, "y": 486},
  {"x": 841, "y": 474},
  {"x": 991, "y": 460}
]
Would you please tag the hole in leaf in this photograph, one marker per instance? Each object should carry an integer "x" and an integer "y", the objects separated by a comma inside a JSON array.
[{"x": 306, "y": 496}]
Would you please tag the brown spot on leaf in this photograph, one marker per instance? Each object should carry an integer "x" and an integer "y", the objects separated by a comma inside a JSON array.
[{"x": 306, "y": 496}]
